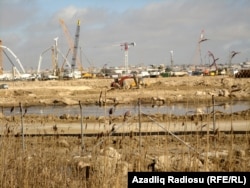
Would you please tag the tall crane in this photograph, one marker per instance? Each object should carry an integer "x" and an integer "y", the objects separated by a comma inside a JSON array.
[
  {"x": 40, "y": 59},
  {"x": 202, "y": 39},
  {"x": 71, "y": 42},
  {"x": 75, "y": 49},
  {"x": 125, "y": 47},
  {"x": 46, "y": 50}
]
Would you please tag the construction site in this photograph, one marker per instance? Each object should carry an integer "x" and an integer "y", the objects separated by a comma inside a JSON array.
[
  {"x": 99, "y": 151},
  {"x": 73, "y": 68},
  {"x": 63, "y": 149}
]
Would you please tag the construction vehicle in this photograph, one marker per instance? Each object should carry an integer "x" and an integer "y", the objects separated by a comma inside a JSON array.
[
  {"x": 88, "y": 75},
  {"x": 17, "y": 60},
  {"x": 125, "y": 47},
  {"x": 73, "y": 46},
  {"x": 56, "y": 70},
  {"x": 16, "y": 73},
  {"x": 128, "y": 82},
  {"x": 75, "y": 49}
]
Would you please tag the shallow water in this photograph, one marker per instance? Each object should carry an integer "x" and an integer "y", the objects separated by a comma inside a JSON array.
[{"x": 94, "y": 110}]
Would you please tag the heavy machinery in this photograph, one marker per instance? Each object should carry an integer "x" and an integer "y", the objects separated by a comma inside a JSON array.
[
  {"x": 88, "y": 75},
  {"x": 198, "y": 56},
  {"x": 75, "y": 49},
  {"x": 125, "y": 46},
  {"x": 15, "y": 70},
  {"x": 73, "y": 46},
  {"x": 54, "y": 51},
  {"x": 128, "y": 82},
  {"x": 213, "y": 71},
  {"x": 12, "y": 53}
]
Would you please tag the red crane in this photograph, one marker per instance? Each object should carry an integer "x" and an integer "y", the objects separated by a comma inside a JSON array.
[{"x": 125, "y": 47}]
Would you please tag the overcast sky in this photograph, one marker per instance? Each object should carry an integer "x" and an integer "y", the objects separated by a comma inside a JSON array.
[{"x": 28, "y": 27}]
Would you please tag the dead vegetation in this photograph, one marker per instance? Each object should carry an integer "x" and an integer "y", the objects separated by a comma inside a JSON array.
[
  {"x": 103, "y": 160},
  {"x": 59, "y": 161}
]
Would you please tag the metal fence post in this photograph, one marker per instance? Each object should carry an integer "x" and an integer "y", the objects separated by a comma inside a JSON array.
[
  {"x": 82, "y": 144},
  {"x": 22, "y": 129}
]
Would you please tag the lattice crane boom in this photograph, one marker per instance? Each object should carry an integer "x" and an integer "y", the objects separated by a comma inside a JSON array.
[
  {"x": 70, "y": 41},
  {"x": 75, "y": 49},
  {"x": 125, "y": 47},
  {"x": 14, "y": 55}
]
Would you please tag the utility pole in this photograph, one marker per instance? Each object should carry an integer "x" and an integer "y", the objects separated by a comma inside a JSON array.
[
  {"x": 82, "y": 143},
  {"x": 22, "y": 129}
]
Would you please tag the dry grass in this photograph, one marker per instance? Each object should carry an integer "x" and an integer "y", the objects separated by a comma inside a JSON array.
[{"x": 57, "y": 161}]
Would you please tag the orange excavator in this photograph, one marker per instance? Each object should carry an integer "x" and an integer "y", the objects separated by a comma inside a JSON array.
[
  {"x": 127, "y": 82},
  {"x": 120, "y": 83}
]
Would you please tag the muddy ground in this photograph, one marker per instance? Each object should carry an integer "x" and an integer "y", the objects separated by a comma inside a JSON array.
[
  {"x": 154, "y": 91},
  {"x": 171, "y": 89},
  {"x": 113, "y": 156}
]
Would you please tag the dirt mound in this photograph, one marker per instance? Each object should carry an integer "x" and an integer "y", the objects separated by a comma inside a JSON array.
[{"x": 171, "y": 89}]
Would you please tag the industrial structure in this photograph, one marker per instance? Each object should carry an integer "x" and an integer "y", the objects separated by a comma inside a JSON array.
[
  {"x": 122, "y": 74},
  {"x": 73, "y": 45},
  {"x": 125, "y": 47},
  {"x": 75, "y": 49},
  {"x": 70, "y": 71},
  {"x": 15, "y": 72},
  {"x": 215, "y": 70},
  {"x": 202, "y": 39},
  {"x": 56, "y": 70}
]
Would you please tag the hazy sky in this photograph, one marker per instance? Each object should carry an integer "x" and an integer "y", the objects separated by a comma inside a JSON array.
[{"x": 28, "y": 27}]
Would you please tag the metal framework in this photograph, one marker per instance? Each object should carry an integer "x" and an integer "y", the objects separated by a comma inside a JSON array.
[
  {"x": 14, "y": 55},
  {"x": 75, "y": 49},
  {"x": 125, "y": 47},
  {"x": 71, "y": 42},
  {"x": 202, "y": 39}
]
